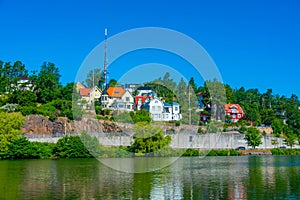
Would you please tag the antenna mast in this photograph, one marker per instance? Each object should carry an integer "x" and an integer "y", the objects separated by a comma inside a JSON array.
[{"x": 105, "y": 60}]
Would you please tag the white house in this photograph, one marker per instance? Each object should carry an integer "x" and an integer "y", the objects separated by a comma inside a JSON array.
[
  {"x": 116, "y": 98},
  {"x": 161, "y": 111},
  {"x": 143, "y": 90}
]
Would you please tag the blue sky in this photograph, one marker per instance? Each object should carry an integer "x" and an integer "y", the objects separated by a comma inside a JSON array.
[{"x": 254, "y": 43}]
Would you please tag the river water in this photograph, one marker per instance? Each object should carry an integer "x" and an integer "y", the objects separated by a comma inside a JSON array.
[{"x": 245, "y": 177}]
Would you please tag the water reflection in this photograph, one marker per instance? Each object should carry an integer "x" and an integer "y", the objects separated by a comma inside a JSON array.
[{"x": 265, "y": 177}]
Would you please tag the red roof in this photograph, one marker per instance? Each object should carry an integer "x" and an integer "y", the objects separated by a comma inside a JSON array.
[
  {"x": 115, "y": 92},
  {"x": 229, "y": 107},
  {"x": 85, "y": 91}
]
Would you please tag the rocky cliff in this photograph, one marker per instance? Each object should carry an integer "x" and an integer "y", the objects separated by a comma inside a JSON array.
[{"x": 36, "y": 124}]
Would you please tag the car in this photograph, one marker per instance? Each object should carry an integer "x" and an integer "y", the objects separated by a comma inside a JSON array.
[
  {"x": 240, "y": 148},
  {"x": 282, "y": 147}
]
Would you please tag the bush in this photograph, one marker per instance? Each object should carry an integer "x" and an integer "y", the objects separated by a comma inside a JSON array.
[
  {"x": 70, "y": 147},
  {"x": 279, "y": 151},
  {"x": 200, "y": 130},
  {"x": 191, "y": 152},
  {"x": 98, "y": 110},
  {"x": 21, "y": 148}
]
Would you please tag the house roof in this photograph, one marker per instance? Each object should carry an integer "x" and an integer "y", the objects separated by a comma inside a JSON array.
[
  {"x": 115, "y": 92},
  {"x": 167, "y": 104},
  {"x": 228, "y": 108},
  {"x": 85, "y": 91},
  {"x": 144, "y": 88}
]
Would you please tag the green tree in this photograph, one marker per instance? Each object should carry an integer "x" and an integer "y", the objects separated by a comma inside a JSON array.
[
  {"x": 290, "y": 138},
  {"x": 94, "y": 78},
  {"x": 148, "y": 139},
  {"x": 23, "y": 98},
  {"x": 47, "y": 83},
  {"x": 277, "y": 126},
  {"x": 253, "y": 137},
  {"x": 217, "y": 97},
  {"x": 10, "y": 128},
  {"x": 113, "y": 82},
  {"x": 67, "y": 91},
  {"x": 71, "y": 147},
  {"x": 140, "y": 116},
  {"x": 21, "y": 148}
]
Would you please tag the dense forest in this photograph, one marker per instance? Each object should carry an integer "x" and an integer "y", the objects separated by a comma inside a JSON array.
[{"x": 48, "y": 97}]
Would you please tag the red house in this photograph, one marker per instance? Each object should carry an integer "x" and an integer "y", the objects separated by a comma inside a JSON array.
[
  {"x": 235, "y": 112},
  {"x": 139, "y": 100}
]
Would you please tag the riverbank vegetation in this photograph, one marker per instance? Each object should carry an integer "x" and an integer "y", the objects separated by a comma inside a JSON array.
[{"x": 40, "y": 92}]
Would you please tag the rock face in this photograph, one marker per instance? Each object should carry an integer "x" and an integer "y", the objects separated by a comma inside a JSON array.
[{"x": 36, "y": 124}]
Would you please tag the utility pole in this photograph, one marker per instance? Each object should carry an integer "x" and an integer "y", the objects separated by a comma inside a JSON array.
[
  {"x": 190, "y": 110},
  {"x": 105, "y": 59}
]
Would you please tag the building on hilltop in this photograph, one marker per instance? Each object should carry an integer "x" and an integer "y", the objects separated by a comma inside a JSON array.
[
  {"x": 116, "y": 98},
  {"x": 234, "y": 111},
  {"x": 161, "y": 111},
  {"x": 88, "y": 96}
]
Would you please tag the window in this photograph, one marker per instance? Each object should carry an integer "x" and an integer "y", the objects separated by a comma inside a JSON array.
[
  {"x": 191, "y": 138},
  {"x": 239, "y": 115},
  {"x": 156, "y": 101},
  {"x": 176, "y": 108},
  {"x": 120, "y": 105},
  {"x": 127, "y": 99},
  {"x": 158, "y": 108},
  {"x": 128, "y": 107}
]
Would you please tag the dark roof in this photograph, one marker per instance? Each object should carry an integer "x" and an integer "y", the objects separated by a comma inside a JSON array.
[{"x": 144, "y": 88}]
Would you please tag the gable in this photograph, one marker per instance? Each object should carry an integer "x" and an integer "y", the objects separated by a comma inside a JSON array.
[
  {"x": 85, "y": 91},
  {"x": 233, "y": 107},
  {"x": 116, "y": 92}
]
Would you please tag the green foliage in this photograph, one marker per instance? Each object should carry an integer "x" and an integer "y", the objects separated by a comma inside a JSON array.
[
  {"x": 277, "y": 126},
  {"x": 94, "y": 78},
  {"x": 290, "y": 137},
  {"x": 3, "y": 99},
  {"x": 200, "y": 130},
  {"x": 67, "y": 91},
  {"x": 113, "y": 83},
  {"x": 98, "y": 109},
  {"x": 123, "y": 117},
  {"x": 191, "y": 152},
  {"x": 10, "y": 125},
  {"x": 47, "y": 83},
  {"x": 214, "y": 127},
  {"x": 28, "y": 110},
  {"x": 253, "y": 137},
  {"x": 91, "y": 144},
  {"x": 140, "y": 116},
  {"x": 21, "y": 148},
  {"x": 70, "y": 147},
  {"x": 106, "y": 111},
  {"x": 177, "y": 123},
  {"x": 279, "y": 151},
  {"x": 148, "y": 139},
  {"x": 10, "y": 75},
  {"x": 243, "y": 129},
  {"x": 23, "y": 98}
]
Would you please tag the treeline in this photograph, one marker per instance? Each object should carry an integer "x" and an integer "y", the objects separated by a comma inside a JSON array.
[
  {"x": 44, "y": 94},
  {"x": 36, "y": 92},
  {"x": 278, "y": 111}
]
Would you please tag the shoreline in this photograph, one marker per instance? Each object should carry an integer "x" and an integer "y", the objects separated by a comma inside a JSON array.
[{"x": 191, "y": 153}]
